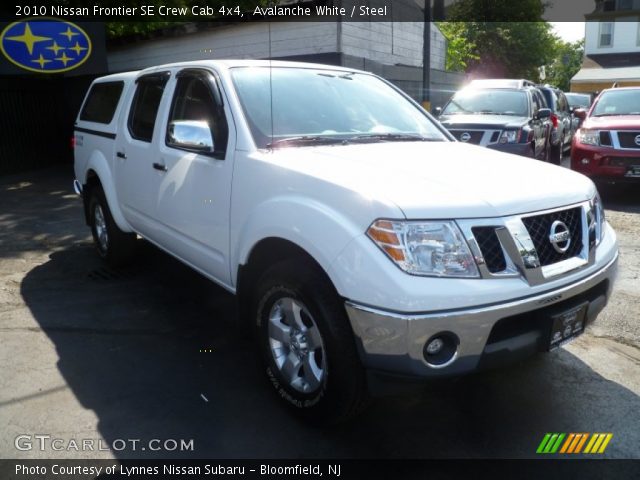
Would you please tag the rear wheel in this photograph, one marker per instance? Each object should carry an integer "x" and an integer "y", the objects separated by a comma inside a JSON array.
[
  {"x": 555, "y": 154},
  {"x": 113, "y": 245},
  {"x": 307, "y": 344}
]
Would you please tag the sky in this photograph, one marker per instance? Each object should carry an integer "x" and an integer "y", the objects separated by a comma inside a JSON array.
[{"x": 569, "y": 31}]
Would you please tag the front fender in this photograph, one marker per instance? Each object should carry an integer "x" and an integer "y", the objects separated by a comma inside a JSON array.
[
  {"x": 322, "y": 231},
  {"x": 99, "y": 164}
]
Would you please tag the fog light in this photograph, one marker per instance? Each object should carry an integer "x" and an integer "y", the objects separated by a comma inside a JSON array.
[
  {"x": 441, "y": 349},
  {"x": 434, "y": 346},
  {"x": 585, "y": 161}
]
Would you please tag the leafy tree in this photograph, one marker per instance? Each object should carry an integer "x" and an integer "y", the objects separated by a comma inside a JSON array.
[
  {"x": 499, "y": 49},
  {"x": 567, "y": 62},
  {"x": 146, "y": 28}
]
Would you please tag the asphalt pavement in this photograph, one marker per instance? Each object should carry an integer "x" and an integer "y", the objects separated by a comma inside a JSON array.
[{"x": 152, "y": 352}]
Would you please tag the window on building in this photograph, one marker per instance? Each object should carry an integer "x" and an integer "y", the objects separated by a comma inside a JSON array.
[
  {"x": 625, "y": 4},
  {"x": 606, "y": 34}
]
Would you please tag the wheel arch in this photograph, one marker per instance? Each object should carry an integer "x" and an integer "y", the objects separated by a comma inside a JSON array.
[
  {"x": 265, "y": 253},
  {"x": 98, "y": 173}
]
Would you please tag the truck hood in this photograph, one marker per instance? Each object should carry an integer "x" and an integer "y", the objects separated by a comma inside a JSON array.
[
  {"x": 614, "y": 122},
  {"x": 482, "y": 121},
  {"x": 440, "y": 179}
]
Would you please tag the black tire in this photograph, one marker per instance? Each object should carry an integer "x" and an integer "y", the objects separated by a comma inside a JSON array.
[
  {"x": 340, "y": 391},
  {"x": 117, "y": 247},
  {"x": 555, "y": 154}
]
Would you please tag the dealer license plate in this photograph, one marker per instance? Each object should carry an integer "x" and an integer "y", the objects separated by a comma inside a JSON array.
[
  {"x": 567, "y": 325},
  {"x": 633, "y": 171}
]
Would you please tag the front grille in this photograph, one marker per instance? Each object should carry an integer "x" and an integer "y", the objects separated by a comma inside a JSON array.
[
  {"x": 490, "y": 248},
  {"x": 623, "y": 161},
  {"x": 539, "y": 228},
  {"x": 475, "y": 137},
  {"x": 628, "y": 139},
  {"x": 605, "y": 138}
]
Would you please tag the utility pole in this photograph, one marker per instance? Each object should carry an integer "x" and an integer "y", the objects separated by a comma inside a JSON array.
[{"x": 426, "y": 57}]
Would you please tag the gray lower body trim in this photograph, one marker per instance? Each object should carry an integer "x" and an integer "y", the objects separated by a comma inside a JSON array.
[{"x": 394, "y": 342}]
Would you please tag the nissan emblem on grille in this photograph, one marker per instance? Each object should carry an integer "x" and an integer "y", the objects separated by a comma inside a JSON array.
[
  {"x": 559, "y": 236},
  {"x": 637, "y": 140},
  {"x": 466, "y": 136}
]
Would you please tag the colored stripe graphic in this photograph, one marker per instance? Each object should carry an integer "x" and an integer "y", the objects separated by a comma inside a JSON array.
[
  {"x": 567, "y": 442},
  {"x": 607, "y": 439},
  {"x": 543, "y": 443},
  {"x": 573, "y": 443},
  {"x": 581, "y": 443}
]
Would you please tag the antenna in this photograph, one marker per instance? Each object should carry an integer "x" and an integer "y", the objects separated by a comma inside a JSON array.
[{"x": 270, "y": 80}]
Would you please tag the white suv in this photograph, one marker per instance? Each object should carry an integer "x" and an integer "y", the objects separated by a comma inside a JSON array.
[{"x": 362, "y": 241}]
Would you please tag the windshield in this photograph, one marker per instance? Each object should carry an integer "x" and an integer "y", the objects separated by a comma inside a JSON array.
[
  {"x": 314, "y": 106},
  {"x": 617, "y": 102},
  {"x": 577, "y": 100},
  {"x": 499, "y": 102}
]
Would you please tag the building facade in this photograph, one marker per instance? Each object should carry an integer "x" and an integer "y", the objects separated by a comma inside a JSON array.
[
  {"x": 612, "y": 47},
  {"x": 393, "y": 50}
]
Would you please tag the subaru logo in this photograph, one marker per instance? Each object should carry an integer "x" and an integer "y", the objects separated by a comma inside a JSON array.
[
  {"x": 45, "y": 46},
  {"x": 559, "y": 236},
  {"x": 637, "y": 140},
  {"x": 466, "y": 136}
]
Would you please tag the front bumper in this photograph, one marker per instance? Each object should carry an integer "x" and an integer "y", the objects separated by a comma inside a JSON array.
[
  {"x": 488, "y": 335},
  {"x": 523, "y": 149}
]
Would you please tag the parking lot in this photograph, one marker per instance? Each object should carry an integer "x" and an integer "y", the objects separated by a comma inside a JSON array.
[{"x": 152, "y": 352}]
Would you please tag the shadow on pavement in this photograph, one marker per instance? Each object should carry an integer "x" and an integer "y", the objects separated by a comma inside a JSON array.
[{"x": 129, "y": 348}]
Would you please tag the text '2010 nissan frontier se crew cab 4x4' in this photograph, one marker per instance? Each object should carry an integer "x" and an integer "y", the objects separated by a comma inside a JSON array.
[{"x": 362, "y": 241}]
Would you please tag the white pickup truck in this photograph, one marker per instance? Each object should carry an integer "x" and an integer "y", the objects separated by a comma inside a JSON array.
[{"x": 362, "y": 241}]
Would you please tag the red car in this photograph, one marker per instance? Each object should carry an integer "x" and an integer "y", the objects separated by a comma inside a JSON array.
[{"x": 607, "y": 145}]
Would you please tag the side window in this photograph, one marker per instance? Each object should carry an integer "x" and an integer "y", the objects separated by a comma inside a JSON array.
[
  {"x": 194, "y": 100},
  {"x": 144, "y": 107},
  {"x": 102, "y": 102},
  {"x": 536, "y": 102},
  {"x": 564, "y": 105}
]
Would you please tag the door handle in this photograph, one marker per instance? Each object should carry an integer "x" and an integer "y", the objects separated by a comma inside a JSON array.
[
  {"x": 159, "y": 166},
  {"x": 121, "y": 155}
]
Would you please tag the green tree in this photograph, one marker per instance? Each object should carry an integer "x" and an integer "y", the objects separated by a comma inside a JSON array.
[
  {"x": 499, "y": 49},
  {"x": 566, "y": 63}
]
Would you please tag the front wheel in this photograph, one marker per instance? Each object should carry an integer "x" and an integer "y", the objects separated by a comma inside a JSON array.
[
  {"x": 555, "y": 154},
  {"x": 113, "y": 245},
  {"x": 307, "y": 344}
]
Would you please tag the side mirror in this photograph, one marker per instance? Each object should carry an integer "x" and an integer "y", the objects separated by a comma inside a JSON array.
[
  {"x": 581, "y": 113},
  {"x": 438, "y": 111},
  {"x": 543, "y": 113},
  {"x": 194, "y": 135}
]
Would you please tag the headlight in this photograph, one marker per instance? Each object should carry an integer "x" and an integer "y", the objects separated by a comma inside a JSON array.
[
  {"x": 510, "y": 136},
  {"x": 596, "y": 221},
  {"x": 600, "y": 220},
  {"x": 435, "y": 248},
  {"x": 589, "y": 137}
]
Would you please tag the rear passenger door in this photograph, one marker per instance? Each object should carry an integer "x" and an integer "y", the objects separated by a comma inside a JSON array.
[
  {"x": 539, "y": 126},
  {"x": 137, "y": 152},
  {"x": 193, "y": 192}
]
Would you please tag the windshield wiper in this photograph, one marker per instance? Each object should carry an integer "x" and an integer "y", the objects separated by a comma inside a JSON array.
[
  {"x": 393, "y": 137},
  {"x": 307, "y": 140}
]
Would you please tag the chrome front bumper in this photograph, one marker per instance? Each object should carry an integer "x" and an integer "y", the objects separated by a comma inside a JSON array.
[{"x": 394, "y": 342}]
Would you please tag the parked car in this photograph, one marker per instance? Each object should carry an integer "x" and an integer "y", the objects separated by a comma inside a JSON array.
[
  {"x": 361, "y": 240},
  {"x": 563, "y": 127},
  {"x": 502, "y": 115},
  {"x": 578, "y": 101},
  {"x": 607, "y": 146}
]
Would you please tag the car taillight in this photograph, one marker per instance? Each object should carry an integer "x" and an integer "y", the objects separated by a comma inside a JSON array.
[
  {"x": 554, "y": 120},
  {"x": 73, "y": 142}
]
